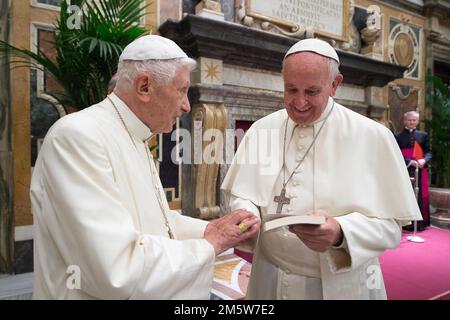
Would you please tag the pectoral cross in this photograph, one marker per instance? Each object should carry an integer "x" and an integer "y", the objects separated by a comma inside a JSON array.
[{"x": 281, "y": 200}]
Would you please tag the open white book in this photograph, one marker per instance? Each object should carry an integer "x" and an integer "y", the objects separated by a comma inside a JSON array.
[{"x": 280, "y": 220}]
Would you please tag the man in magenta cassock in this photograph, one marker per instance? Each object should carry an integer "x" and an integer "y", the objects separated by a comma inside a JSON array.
[{"x": 416, "y": 152}]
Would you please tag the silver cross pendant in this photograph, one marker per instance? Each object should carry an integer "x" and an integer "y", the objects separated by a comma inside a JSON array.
[{"x": 281, "y": 200}]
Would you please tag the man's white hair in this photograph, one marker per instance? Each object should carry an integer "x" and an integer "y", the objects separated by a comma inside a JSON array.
[
  {"x": 333, "y": 69},
  {"x": 411, "y": 113},
  {"x": 162, "y": 71}
]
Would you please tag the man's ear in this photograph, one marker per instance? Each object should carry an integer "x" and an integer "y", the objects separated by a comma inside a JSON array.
[
  {"x": 143, "y": 86},
  {"x": 337, "y": 81}
]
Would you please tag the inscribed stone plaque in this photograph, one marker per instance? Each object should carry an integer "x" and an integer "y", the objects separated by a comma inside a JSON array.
[{"x": 327, "y": 17}]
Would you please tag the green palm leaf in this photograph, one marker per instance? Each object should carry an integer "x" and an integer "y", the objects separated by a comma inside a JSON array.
[{"x": 438, "y": 98}]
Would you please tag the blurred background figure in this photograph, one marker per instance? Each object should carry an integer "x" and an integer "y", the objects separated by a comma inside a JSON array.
[{"x": 416, "y": 152}]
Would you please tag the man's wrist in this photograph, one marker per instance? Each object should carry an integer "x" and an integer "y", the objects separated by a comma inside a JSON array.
[{"x": 338, "y": 242}]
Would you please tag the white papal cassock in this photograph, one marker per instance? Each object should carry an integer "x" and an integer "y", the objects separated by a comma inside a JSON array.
[
  {"x": 95, "y": 207},
  {"x": 354, "y": 172}
]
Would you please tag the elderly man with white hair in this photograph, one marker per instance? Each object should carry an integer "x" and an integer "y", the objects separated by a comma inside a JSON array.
[
  {"x": 325, "y": 160},
  {"x": 415, "y": 147},
  {"x": 103, "y": 227}
]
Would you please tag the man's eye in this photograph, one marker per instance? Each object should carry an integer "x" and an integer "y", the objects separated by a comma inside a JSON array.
[
  {"x": 291, "y": 90},
  {"x": 312, "y": 93}
]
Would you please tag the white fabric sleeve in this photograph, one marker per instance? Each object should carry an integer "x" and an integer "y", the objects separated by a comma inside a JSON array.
[
  {"x": 239, "y": 203},
  {"x": 236, "y": 203},
  {"x": 175, "y": 269},
  {"x": 187, "y": 227},
  {"x": 93, "y": 230},
  {"x": 364, "y": 238}
]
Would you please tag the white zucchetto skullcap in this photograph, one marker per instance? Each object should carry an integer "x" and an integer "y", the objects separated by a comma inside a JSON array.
[
  {"x": 152, "y": 47},
  {"x": 314, "y": 45}
]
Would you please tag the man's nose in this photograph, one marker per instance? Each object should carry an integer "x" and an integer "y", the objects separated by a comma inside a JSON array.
[
  {"x": 186, "y": 105},
  {"x": 299, "y": 100}
]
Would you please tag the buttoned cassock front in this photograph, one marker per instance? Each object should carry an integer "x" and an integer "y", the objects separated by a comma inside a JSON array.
[
  {"x": 355, "y": 173},
  {"x": 95, "y": 206}
]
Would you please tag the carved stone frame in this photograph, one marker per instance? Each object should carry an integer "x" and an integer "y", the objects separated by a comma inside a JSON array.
[
  {"x": 206, "y": 116},
  {"x": 293, "y": 26}
]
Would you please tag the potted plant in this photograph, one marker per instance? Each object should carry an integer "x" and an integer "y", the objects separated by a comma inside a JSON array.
[
  {"x": 438, "y": 100},
  {"x": 88, "y": 43}
]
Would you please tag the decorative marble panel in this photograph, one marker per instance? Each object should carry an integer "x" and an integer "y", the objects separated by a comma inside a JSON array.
[
  {"x": 246, "y": 77},
  {"x": 349, "y": 92},
  {"x": 209, "y": 71},
  {"x": 404, "y": 47}
]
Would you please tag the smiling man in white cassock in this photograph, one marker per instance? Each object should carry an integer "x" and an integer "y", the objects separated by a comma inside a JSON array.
[
  {"x": 324, "y": 159},
  {"x": 103, "y": 227}
]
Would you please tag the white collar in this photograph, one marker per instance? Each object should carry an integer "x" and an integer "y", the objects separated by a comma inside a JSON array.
[{"x": 136, "y": 127}]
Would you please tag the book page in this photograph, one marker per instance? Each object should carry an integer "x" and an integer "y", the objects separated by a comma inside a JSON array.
[{"x": 275, "y": 221}]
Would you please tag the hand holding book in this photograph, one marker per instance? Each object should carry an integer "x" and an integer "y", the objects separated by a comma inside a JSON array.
[
  {"x": 316, "y": 229},
  {"x": 286, "y": 220},
  {"x": 319, "y": 237}
]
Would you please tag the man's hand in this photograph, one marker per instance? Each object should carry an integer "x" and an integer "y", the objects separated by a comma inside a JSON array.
[
  {"x": 319, "y": 237},
  {"x": 421, "y": 163},
  {"x": 224, "y": 232},
  {"x": 414, "y": 163}
]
